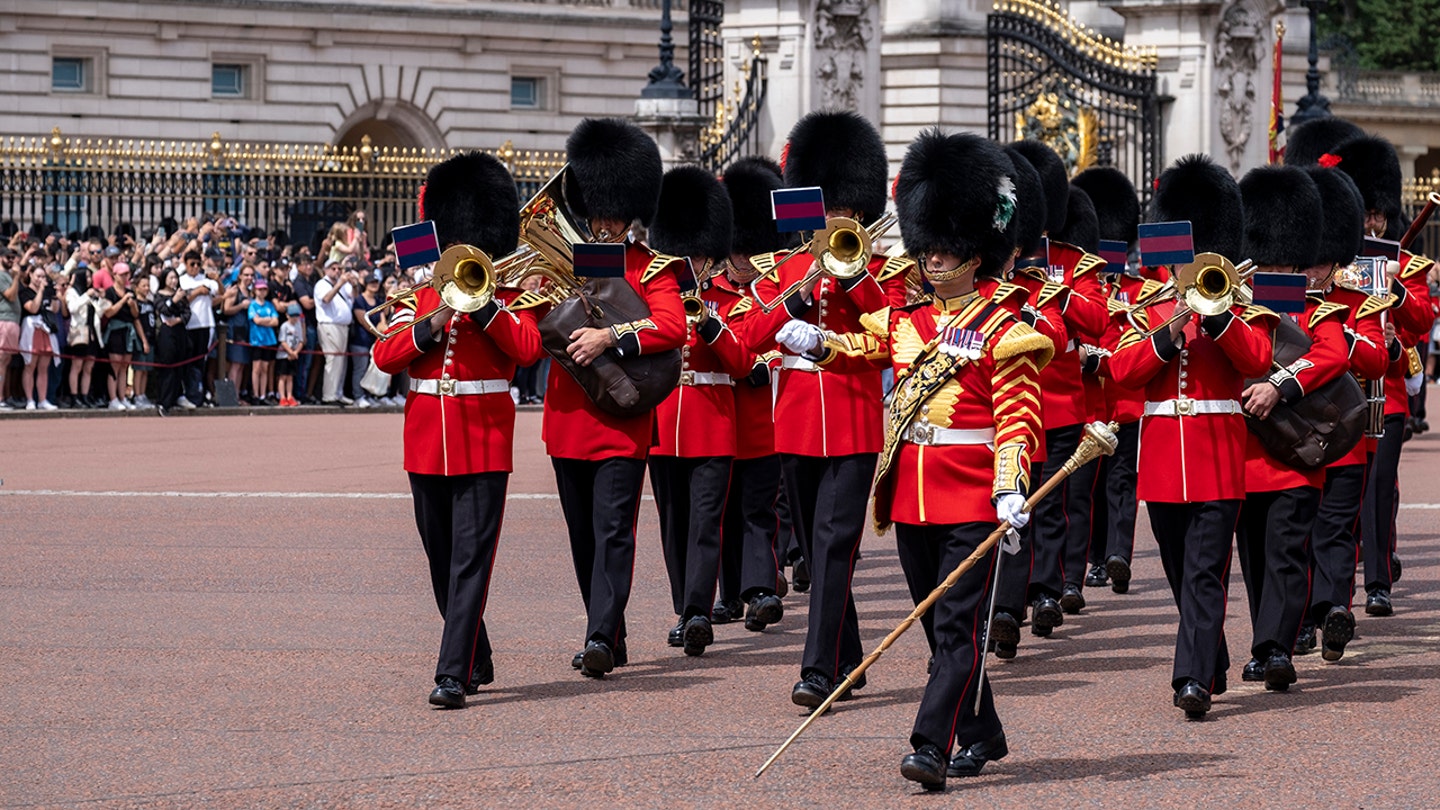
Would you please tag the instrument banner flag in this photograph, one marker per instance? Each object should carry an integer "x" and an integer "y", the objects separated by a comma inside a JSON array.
[
  {"x": 599, "y": 260},
  {"x": 798, "y": 209},
  {"x": 1116, "y": 255},
  {"x": 1385, "y": 248},
  {"x": 416, "y": 244},
  {"x": 1164, "y": 243},
  {"x": 1280, "y": 292}
]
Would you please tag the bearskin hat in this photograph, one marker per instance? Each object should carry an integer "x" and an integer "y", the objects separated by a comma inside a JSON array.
[
  {"x": 1053, "y": 177},
  {"x": 1306, "y": 143},
  {"x": 1282, "y": 212},
  {"x": 615, "y": 171},
  {"x": 1372, "y": 163},
  {"x": 472, "y": 199},
  {"x": 841, "y": 152},
  {"x": 694, "y": 217},
  {"x": 749, "y": 182},
  {"x": 1343, "y": 236},
  {"x": 1030, "y": 204},
  {"x": 956, "y": 194},
  {"x": 1082, "y": 229},
  {"x": 1196, "y": 189},
  {"x": 1116, "y": 205}
]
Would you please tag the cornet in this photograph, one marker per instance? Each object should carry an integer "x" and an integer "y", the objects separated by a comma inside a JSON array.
[{"x": 842, "y": 250}]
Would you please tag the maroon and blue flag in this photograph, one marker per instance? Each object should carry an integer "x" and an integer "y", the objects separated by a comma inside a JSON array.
[
  {"x": 1280, "y": 292},
  {"x": 1385, "y": 248},
  {"x": 416, "y": 244},
  {"x": 1115, "y": 253},
  {"x": 1163, "y": 243},
  {"x": 798, "y": 209},
  {"x": 599, "y": 260}
]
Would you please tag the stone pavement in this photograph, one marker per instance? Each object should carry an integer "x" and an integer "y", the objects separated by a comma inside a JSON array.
[{"x": 230, "y": 649}]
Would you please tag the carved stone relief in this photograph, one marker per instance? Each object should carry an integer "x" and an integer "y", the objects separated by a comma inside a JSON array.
[
  {"x": 844, "y": 30},
  {"x": 1242, "y": 41}
]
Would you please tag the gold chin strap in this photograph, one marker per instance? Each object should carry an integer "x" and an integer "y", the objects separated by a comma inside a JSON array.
[{"x": 952, "y": 275}]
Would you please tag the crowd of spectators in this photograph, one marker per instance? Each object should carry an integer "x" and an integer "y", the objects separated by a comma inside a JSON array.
[{"x": 192, "y": 315}]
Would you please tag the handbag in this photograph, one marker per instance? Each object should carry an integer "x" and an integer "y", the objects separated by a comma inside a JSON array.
[
  {"x": 1320, "y": 427},
  {"x": 375, "y": 381}
]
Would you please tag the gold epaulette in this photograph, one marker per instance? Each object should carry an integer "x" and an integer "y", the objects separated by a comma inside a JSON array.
[
  {"x": 1089, "y": 263},
  {"x": 741, "y": 307},
  {"x": 765, "y": 263},
  {"x": 658, "y": 263},
  {"x": 1373, "y": 304},
  {"x": 1328, "y": 309},
  {"x": 894, "y": 266},
  {"x": 527, "y": 300},
  {"x": 1255, "y": 312},
  {"x": 1050, "y": 292},
  {"x": 877, "y": 323},
  {"x": 1413, "y": 365},
  {"x": 1418, "y": 265},
  {"x": 1021, "y": 338},
  {"x": 1130, "y": 338},
  {"x": 1114, "y": 307},
  {"x": 1004, "y": 291},
  {"x": 1149, "y": 287}
]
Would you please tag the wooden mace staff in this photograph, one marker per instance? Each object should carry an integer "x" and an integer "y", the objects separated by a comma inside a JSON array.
[{"x": 1099, "y": 441}]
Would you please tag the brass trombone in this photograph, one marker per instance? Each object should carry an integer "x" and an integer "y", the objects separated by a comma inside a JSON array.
[
  {"x": 1209, "y": 285},
  {"x": 464, "y": 278},
  {"x": 842, "y": 250}
]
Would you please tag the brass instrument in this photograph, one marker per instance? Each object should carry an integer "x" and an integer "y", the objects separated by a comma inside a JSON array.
[
  {"x": 1209, "y": 285},
  {"x": 842, "y": 250},
  {"x": 695, "y": 309},
  {"x": 548, "y": 230},
  {"x": 465, "y": 279}
]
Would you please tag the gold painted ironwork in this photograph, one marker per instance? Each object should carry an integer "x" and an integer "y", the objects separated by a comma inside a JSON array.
[
  {"x": 1082, "y": 38},
  {"x": 1058, "y": 120}
]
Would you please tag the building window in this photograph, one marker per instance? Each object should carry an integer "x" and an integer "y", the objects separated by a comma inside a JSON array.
[
  {"x": 70, "y": 74},
  {"x": 527, "y": 93},
  {"x": 229, "y": 80}
]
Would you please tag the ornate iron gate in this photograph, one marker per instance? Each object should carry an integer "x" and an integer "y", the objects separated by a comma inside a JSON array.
[
  {"x": 1091, "y": 98},
  {"x": 707, "y": 54}
]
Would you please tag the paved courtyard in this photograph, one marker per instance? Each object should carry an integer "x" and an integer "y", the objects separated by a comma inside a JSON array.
[{"x": 234, "y": 611}]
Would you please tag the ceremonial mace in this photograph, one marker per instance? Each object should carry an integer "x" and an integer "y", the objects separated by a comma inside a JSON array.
[{"x": 1099, "y": 441}]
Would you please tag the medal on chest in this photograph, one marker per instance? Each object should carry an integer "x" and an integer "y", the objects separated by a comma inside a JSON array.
[{"x": 960, "y": 342}]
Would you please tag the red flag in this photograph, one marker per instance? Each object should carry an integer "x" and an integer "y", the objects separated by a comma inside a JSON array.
[{"x": 1277, "y": 108}]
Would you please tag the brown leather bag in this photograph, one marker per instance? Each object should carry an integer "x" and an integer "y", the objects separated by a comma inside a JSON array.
[
  {"x": 1319, "y": 428},
  {"x": 619, "y": 386}
]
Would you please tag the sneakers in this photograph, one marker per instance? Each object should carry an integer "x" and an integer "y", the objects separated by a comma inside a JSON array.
[
  {"x": 117, "y": 405},
  {"x": 363, "y": 402},
  {"x": 30, "y": 405},
  {"x": 143, "y": 401},
  {"x": 185, "y": 403},
  {"x": 5, "y": 406},
  {"x": 47, "y": 405},
  {"x": 346, "y": 401}
]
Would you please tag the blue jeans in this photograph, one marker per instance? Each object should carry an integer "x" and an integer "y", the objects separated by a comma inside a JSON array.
[{"x": 302, "y": 365}]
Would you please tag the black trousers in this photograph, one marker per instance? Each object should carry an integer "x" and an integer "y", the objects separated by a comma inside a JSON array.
[
  {"x": 828, "y": 498},
  {"x": 197, "y": 345},
  {"x": 1332, "y": 540},
  {"x": 1117, "y": 491},
  {"x": 1062, "y": 521},
  {"x": 1273, "y": 537},
  {"x": 1014, "y": 591},
  {"x": 171, "y": 344},
  {"x": 690, "y": 494},
  {"x": 947, "y": 710},
  {"x": 1194, "y": 541},
  {"x": 787, "y": 545},
  {"x": 1377, "y": 515},
  {"x": 749, "y": 559},
  {"x": 459, "y": 521},
  {"x": 600, "y": 500}
]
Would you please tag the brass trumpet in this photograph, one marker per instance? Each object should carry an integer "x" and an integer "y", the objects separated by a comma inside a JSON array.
[
  {"x": 464, "y": 278},
  {"x": 842, "y": 250},
  {"x": 1209, "y": 285}
]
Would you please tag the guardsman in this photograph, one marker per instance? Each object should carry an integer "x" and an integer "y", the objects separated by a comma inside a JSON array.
[
  {"x": 459, "y": 418},
  {"x": 751, "y": 561},
  {"x": 1332, "y": 540},
  {"x": 613, "y": 181},
  {"x": 1283, "y": 211},
  {"x": 828, "y": 422},
  {"x": 690, "y": 464},
  {"x": 1192, "y": 436},
  {"x": 1117, "y": 210},
  {"x": 962, "y": 423},
  {"x": 1372, "y": 163}
]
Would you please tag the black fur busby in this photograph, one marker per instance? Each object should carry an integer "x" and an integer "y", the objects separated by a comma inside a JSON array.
[
  {"x": 956, "y": 194},
  {"x": 1053, "y": 178},
  {"x": 1082, "y": 229},
  {"x": 1283, "y": 214},
  {"x": 472, "y": 199},
  {"x": 1030, "y": 204},
  {"x": 841, "y": 152},
  {"x": 1117, "y": 208},
  {"x": 749, "y": 182},
  {"x": 1343, "y": 236},
  {"x": 1306, "y": 143},
  {"x": 615, "y": 171},
  {"x": 1372, "y": 163},
  {"x": 1196, "y": 189},
  {"x": 694, "y": 217}
]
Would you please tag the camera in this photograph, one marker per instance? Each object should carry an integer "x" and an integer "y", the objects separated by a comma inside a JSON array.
[{"x": 263, "y": 244}]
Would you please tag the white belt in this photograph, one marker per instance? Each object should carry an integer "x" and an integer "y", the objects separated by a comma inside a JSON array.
[
  {"x": 925, "y": 433},
  {"x": 459, "y": 388},
  {"x": 795, "y": 363},
  {"x": 705, "y": 378},
  {"x": 1192, "y": 407}
]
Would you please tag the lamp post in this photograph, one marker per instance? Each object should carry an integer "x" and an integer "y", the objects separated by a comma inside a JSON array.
[
  {"x": 666, "y": 80},
  {"x": 1312, "y": 105}
]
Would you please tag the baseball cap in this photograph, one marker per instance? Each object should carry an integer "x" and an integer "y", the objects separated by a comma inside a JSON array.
[
  {"x": 293, "y": 309},
  {"x": 112, "y": 251},
  {"x": 262, "y": 284}
]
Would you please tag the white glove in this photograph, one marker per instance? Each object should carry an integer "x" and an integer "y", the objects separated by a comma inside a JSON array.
[
  {"x": 1011, "y": 509},
  {"x": 1414, "y": 383},
  {"x": 799, "y": 337}
]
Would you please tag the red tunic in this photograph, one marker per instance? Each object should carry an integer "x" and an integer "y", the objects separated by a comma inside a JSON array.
[
  {"x": 827, "y": 412},
  {"x": 1413, "y": 317},
  {"x": 1327, "y": 358},
  {"x": 1122, "y": 405},
  {"x": 573, "y": 427},
  {"x": 754, "y": 405},
  {"x": 1196, "y": 457},
  {"x": 459, "y": 435},
  {"x": 1365, "y": 331},
  {"x": 1061, "y": 381},
  {"x": 698, "y": 420}
]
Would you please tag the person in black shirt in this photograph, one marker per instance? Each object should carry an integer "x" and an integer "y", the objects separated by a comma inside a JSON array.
[
  {"x": 121, "y": 312},
  {"x": 145, "y": 324},
  {"x": 39, "y": 309}
]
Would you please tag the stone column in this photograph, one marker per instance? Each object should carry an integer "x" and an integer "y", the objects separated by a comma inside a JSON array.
[{"x": 675, "y": 125}]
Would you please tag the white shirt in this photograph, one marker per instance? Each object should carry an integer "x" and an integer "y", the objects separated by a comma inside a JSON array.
[
  {"x": 202, "y": 307},
  {"x": 340, "y": 310}
]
